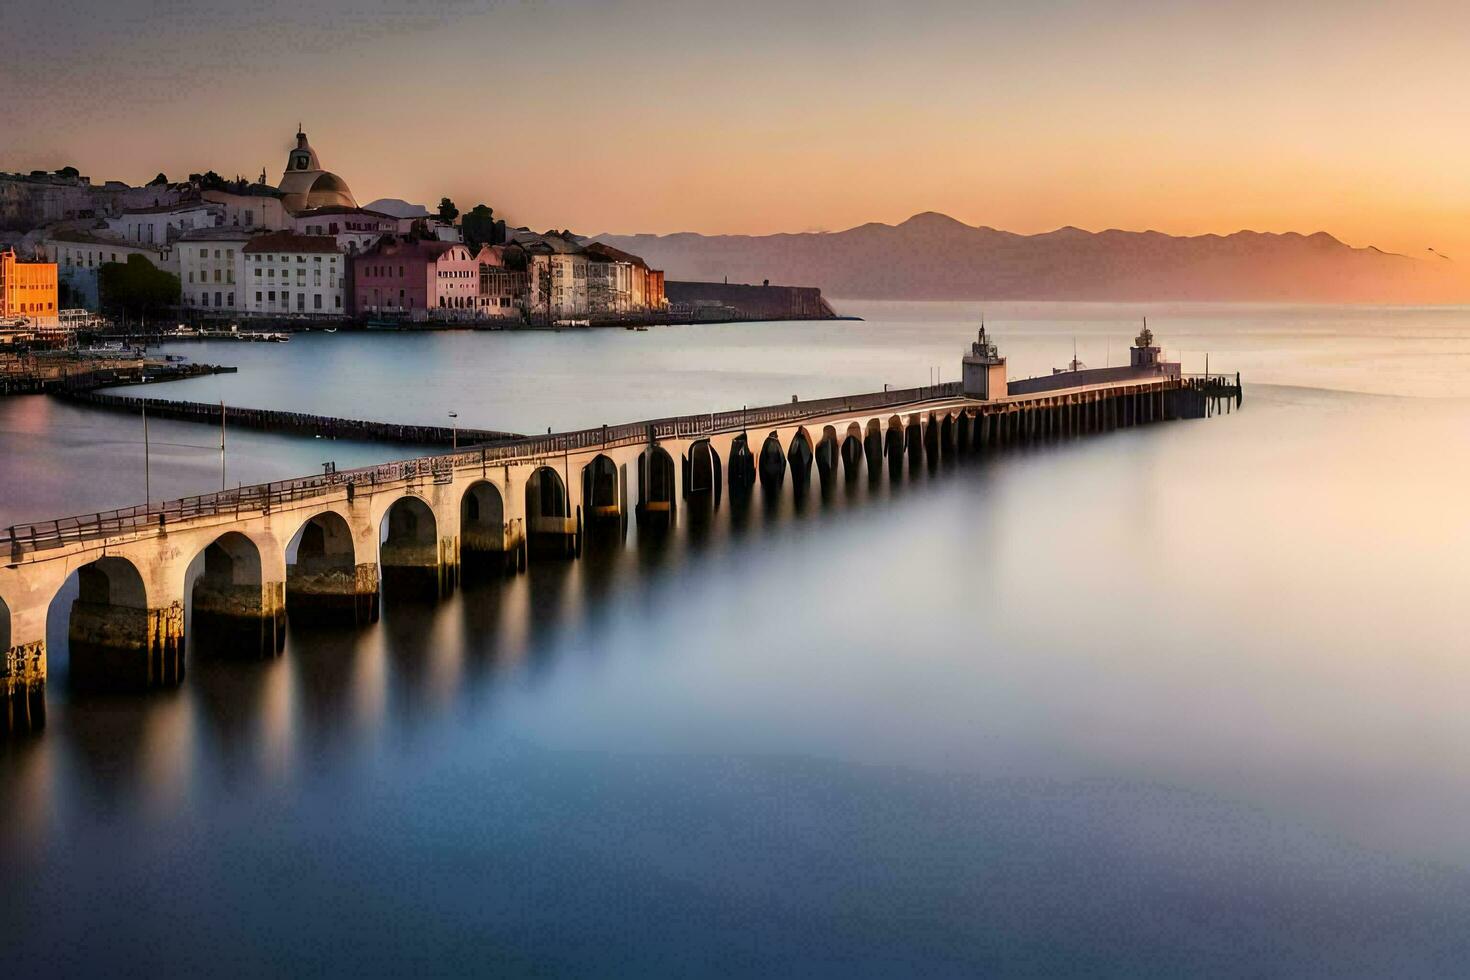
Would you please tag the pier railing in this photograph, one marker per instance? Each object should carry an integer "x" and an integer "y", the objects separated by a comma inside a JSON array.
[{"x": 264, "y": 497}]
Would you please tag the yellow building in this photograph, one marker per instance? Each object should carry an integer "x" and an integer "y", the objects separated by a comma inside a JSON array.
[{"x": 27, "y": 289}]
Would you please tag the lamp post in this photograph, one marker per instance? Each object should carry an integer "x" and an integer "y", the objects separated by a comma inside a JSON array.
[{"x": 454, "y": 431}]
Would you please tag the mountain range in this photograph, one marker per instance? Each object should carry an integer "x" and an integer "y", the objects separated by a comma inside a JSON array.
[{"x": 934, "y": 256}]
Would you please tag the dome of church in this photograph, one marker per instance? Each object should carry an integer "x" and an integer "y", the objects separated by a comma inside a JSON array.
[
  {"x": 329, "y": 190},
  {"x": 304, "y": 184}
]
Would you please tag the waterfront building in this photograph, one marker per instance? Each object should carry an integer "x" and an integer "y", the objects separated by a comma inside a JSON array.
[
  {"x": 79, "y": 255},
  {"x": 556, "y": 269},
  {"x": 305, "y": 185},
  {"x": 258, "y": 206},
  {"x": 27, "y": 289},
  {"x": 211, "y": 268},
  {"x": 396, "y": 278},
  {"x": 162, "y": 224},
  {"x": 287, "y": 273},
  {"x": 423, "y": 279},
  {"x": 29, "y": 201},
  {"x": 621, "y": 283},
  {"x": 502, "y": 289},
  {"x": 355, "y": 229}
]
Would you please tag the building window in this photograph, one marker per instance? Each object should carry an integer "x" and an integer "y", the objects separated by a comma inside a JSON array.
[
  {"x": 257, "y": 297},
  {"x": 316, "y": 301}
]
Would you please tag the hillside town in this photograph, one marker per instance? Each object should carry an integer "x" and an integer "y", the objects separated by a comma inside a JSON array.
[{"x": 209, "y": 251}]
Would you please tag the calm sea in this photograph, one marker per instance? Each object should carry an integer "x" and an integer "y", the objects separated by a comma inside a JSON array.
[{"x": 1185, "y": 699}]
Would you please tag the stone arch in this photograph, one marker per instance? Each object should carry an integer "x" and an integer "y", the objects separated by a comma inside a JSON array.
[
  {"x": 930, "y": 429},
  {"x": 799, "y": 458},
  {"x": 656, "y": 484},
  {"x": 704, "y": 470},
  {"x": 913, "y": 440},
  {"x": 547, "y": 512},
  {"x": 482, "y": 522},
  {"x": 852, "y": 451},
  {"x": 600, "y": 489},
  {"x": 772, "y": 463},
  {"x": 408, "y": 546},
  {"x": 116, "y": 641},
  {"x": 742, "y": 466},
  {"x": 233, "y": 610},
  {"x": 325, "y": 582},
  {"x": 873, "y": 448},
  {"x": 894, "y": 445},
  {"x": 828, "y": 455}
]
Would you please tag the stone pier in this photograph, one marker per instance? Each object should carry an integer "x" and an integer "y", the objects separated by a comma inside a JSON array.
[
  {"x": 327, "y": 594},
  {"x": 247, "y": 621},
  {"x": 123, "y": 648}
]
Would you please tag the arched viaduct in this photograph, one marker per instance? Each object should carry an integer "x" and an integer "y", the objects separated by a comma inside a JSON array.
[{"x": 320, "y": 549}]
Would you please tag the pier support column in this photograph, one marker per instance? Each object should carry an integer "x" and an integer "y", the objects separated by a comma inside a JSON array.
[
  {"x": 317, "y": 595},
  {"x": 240, "y": 620},
  {"x": 23, "y": 685},
  {"x": 25, "y": 599},
  {"x": 122, "y": 648}
]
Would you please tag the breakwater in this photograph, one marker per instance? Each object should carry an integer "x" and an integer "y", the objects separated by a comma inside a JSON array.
[
  {"x": 270, "y": 420},
  {"x": 42, "y": 375}
]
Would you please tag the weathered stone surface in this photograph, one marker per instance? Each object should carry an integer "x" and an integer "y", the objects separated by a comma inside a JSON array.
[
  {"x": 332, "y": 594},
  {"x": 240, "y": 620},
  {"x": 120, "y": 648},
  {"x": 23, "y": 685}
]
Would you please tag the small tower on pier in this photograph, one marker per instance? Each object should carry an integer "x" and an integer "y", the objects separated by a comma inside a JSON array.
[
  {"x": 1144, "y": 353},
  {"x": 984, "y": 370}
]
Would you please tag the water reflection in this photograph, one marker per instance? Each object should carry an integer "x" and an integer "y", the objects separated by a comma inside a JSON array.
[{"x": 1160, "y": 663}]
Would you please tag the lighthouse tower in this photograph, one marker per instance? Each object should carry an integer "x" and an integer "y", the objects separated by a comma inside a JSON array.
[{"x": 984, "y": 370}]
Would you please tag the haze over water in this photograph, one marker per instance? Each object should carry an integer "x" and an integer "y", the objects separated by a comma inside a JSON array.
[{"x": 1188, "y": 698}]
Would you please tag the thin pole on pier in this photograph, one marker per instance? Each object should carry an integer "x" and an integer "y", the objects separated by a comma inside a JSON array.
[
  {"x": 147, "y": 483},
  {"x": 222, "y": 447}
]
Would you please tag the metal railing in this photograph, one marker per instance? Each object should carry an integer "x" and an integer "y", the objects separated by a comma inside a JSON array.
[{"x": 262, "y": 498}]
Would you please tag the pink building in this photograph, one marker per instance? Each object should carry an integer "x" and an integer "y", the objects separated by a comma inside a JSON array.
[{"x": 420, "y": 280}]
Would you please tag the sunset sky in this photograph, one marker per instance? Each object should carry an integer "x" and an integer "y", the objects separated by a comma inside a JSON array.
[{"x": 671, "y": 115}]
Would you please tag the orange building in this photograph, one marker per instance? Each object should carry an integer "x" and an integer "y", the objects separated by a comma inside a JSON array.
[{"x": 27, "y": 288}]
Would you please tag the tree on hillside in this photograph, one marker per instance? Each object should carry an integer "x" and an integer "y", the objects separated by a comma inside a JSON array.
[
  {"x": 72, "y": 172},
  {"x": 137, "y": 287},
  {"x": 447, "y": 211},
  {"x": 209, "y": 181},
  {"x": 480, "y": 227},
  {"x": 158, "y": 181}
]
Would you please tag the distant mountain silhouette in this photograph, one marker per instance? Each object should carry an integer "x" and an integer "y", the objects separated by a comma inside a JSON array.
[{"x": 933, "y": 256}]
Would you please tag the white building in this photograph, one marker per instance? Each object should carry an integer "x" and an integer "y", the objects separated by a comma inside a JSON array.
[
  {"x": 291, "y": 274},
  {"x": 355, "y": 229},
  {"x": 259, "y": 207},
  {"x": 160, "y": 225},
  {"x": 211, "y": 268},
  {"x": 79, "y": 254}
]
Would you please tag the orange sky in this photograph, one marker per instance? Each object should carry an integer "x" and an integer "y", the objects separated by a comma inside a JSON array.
[{"x": 644, "y": 115}]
